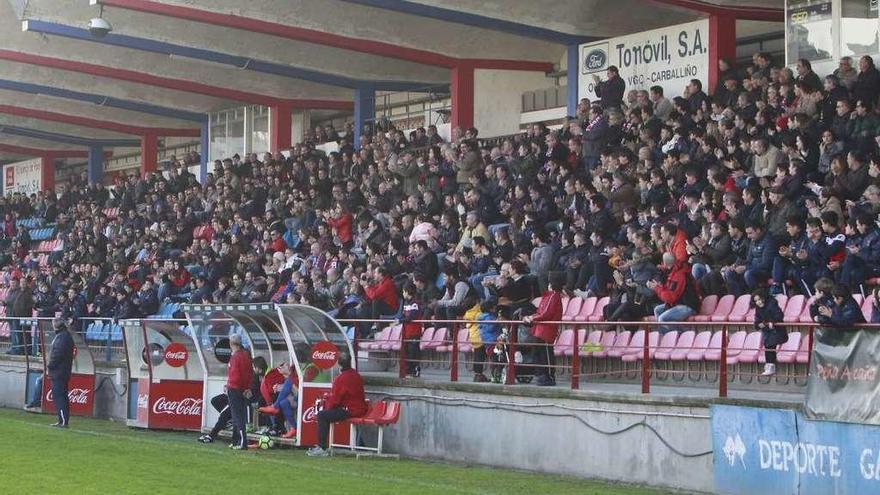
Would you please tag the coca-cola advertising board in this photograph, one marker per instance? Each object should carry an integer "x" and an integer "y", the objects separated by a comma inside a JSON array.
[
  {"x": 170, "y": 404},
  {"x": 80, "y": 393},
  {"x": 308, "y": 417}
]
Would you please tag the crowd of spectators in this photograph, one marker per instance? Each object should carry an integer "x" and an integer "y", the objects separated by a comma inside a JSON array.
[{"x": 772, "y": 181}]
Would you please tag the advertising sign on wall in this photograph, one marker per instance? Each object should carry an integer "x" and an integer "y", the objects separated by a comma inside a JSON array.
[
  {"x": 668, "y": 57},
  {"x": 844, "y": 384},
  {"x": 773, "y": 451},
  {"x": 23, "y": 177}
]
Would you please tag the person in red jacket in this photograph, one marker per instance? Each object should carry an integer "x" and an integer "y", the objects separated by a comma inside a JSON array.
[
  {"x": 341, "y": 223},
  {"x": 412, "y": 331},
  {"x": 238, "y": 389},
  {"x": 676, "y": 241},
  {"x": 346, "y": 400},
  {"x": 544, "y": 334},
  {"x": 381, "y": 295},
  {"x": 679, "y": 294}
]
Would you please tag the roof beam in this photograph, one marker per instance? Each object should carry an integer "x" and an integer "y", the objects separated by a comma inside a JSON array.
[
  {"x": 475, "y": 20},
  {"x": 170, "y": 83},
  {"x": 26, "y": 150},
  {"x": 745, "y": 13},
  {"x": 236, "y": 61},
  {"x": 295, "y": 33},
  {"x": 100, "y": 100},
  {"x": 96, "y": 124},
  {"x": 66, "y": 138}
]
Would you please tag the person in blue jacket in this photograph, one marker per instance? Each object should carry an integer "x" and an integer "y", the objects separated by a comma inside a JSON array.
[
  {"x": 768, "y": 319},
  {"x": 758, "y": 264},
  {"x": 844, "y": 313},
  {"x": 59, "y": 368},
  {"x": 863, "y": 258}
]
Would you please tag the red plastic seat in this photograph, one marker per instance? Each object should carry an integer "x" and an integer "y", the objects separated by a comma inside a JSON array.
[
  {"x": 663, "y": 351},
  {"x": 707, "y": 307},
  {"x": 598, "y": 312},
  {"x": 723, "y": 308},
  {"x": 375, "y": 412},
  {"x": 382, "y": 414}
]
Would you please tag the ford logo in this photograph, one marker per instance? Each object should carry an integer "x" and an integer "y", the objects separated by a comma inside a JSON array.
[{"x": 595, "y": 60}]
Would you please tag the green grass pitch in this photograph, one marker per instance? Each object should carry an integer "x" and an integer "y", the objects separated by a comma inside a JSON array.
[{"x": 104, "y": 457}]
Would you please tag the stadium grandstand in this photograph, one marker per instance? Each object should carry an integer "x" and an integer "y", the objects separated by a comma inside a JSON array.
[{"x": 658, "y": 209}]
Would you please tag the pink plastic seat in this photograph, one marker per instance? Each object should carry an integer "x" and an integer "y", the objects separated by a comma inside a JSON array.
[
  {"x": 427, "y": 336},
  {"x": 594, "y": 338},
  {"x": 440, "y": 335},
  {"x": 803, "y": 353},
  {"x": 782, "y": 301},
  {"x": 607, "y": 343},
  {"x": 740, "y": 309},
  {"x": 588, "y": 306},
  {"x": 663, "y": 350},
  {"x": 859, "y": 299},
  {"x": 4, "y": 329},
  {"x": 787, "y": 352},
  {"x": 564, "y": 341},
  {"x": 581, "y": 335},
  {"x": 393, "y": 341},
  {"x": 572, "y": 308},
  {"x": 598, "y": 312},
  {"x": 735, "y": 344},
  {"x": 723, "y": 308},
  {"x": 701, "y": 345},
  {"x": 751, "y": 349},
  {"x": 707, "y": 307},
  {"x": 794, "y": 308},
  {"x": 378, "y": 339},
  {"x": 464, "y": 344},
  {"x": 637, "y": 349},
  {"x": 868, "y": 308},
  {"x": 620, "y": 344},
  {"x": 805, "y": 314},
  {"x": 684, "y": 345},
  {"x": 536, "y": 302}
]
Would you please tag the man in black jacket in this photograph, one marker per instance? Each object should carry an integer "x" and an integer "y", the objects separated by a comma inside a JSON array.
[
  {"x": 59, "y": 369},
  {"x": 610, "y": 91}
]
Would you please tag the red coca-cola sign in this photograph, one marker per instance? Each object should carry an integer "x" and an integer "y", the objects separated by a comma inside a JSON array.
[
  {"x": 80, "y": 394},
  {"x": 184, "y": 407},
  {"x": 176, "y": 355},
  {"x": 324, "y": 354}
]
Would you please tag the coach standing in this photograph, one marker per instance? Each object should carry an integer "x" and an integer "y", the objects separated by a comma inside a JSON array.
[
  {"x": 238, "y": 389},
  {"x": 60, "y": 367}
]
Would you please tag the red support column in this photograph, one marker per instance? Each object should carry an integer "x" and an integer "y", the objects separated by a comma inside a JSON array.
[
  {"x": 280, "y": 127},
  {"x": 722, "y": 45},
  {"x": 47, "y": 172},
  {"x": 149, "y": 154},
  {"x": 463, "y": 96}
]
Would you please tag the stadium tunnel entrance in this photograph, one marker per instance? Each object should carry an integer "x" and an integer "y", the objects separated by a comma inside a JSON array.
[{"x": 303, "y": 336}]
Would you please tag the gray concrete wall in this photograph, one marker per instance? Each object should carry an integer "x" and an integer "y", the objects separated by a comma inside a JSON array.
[
  {"x": 591, "y": 438},
  {"x": 13, "y": 374}
]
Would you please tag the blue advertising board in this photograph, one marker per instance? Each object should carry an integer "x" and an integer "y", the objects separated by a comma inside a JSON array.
[{"x": 772, "y": 451}]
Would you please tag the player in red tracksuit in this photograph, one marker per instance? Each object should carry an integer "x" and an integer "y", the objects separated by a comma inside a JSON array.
[
  {"x": 238, "y": 384},
  {"x": 346, "y": 400},
  {"x": 412, "y": 331}
]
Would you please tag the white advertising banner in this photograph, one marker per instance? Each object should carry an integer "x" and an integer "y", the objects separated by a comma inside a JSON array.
[
  {"x": 23, "y": 177},
  {"x": 668, "y": 57}
]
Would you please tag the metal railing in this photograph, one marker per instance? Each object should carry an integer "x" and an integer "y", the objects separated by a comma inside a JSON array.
[{"x": 593, "y": 364}]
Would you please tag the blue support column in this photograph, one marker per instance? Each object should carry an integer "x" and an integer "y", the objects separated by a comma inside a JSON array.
[
  {"x": 96, "y": 164},
  {"x": 364, "y": 111},
  {"x": 573, "y": 60},
  {"x": 204, "y": 150}
]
